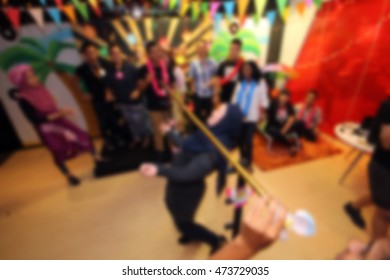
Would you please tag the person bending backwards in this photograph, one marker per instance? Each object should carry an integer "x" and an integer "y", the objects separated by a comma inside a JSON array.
[{"x": 196, "y": 159}]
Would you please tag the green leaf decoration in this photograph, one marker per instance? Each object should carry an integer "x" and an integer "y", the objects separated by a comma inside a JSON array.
[
  {"x": 33, "y": 43},
  {"x": 19, "y": 54}
]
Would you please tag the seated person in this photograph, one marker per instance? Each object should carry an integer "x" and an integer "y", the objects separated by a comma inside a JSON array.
[
  {"x": 195, "y": 160},
  {"x": 309, "y": 117},
  {"x": 280, "y": 121}
]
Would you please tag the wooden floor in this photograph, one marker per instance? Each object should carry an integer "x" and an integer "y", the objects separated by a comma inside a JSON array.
[{"x": 124, "y": 217}]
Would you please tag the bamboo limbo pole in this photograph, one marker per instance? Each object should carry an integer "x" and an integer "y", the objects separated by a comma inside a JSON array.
[{"x": 248, "y": 178}]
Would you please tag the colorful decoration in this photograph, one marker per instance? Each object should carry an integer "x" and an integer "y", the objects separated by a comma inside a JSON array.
[
  {"x": 69, "y": 11},
  {"x": 229, "y": 9},
  {"x": 301, "y": 223},
  {"x": 173, "y": 4},
  {"x": 318, "y": 3},
  {"x": 95, "y": 7},
  {"x": 259, "y": 7},
  {"x": 195, "y": 9},
  {"x": 109, "y": 4},
  {"x": 309, "y": 2},
  {"x": 55, "y": 15},
  {"x": 239, "y": 197},
  {"x": 218, "y": 17},
  {"x": 301, "y": 7},
  {"x": 43, "y": 2},
  {"x": 13, "y": 14},
  {"x": 204, "y": 8},
  {"x": 242, "y": 8},
  {"x": 271, "y": 16},
  {"x": 214, "y": 8},
  {"x": 286, "y": 13},
  {"x": 81, "y": 8},
  {"x": 185, "y": 5},
  {"x": 281, "y": 6},
  {"x": 37, "y": 15},
  {"x": 58, "y": 3}
]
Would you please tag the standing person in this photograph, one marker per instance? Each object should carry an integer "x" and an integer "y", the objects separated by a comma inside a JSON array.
[
  {"x": 123, "y": 90},
  {"x": 379, "y": 178},
  {"x": 280, "y": 121},
  {"x": 201, "y": 72},
  {"x": 186, "y": 175},
  {"x": 63, "y": 139},
  {"x": 251, "y": 94},
  {"x": 92, "y": 73},
  {"x": 309, "y": 116},
  {"x": 228, "y": 71},
  {"x": 156, "y": 77}
]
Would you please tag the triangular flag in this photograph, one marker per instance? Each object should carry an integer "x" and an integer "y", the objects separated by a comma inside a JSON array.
[
  {"x": 81, "y": 8},
  {"x": 242, "y": 7},
  {"x": 58, "y": 3},
  {"x": 204, "y": 7},
  {"x": 55, "y": 15},
  {"x": 217, "y": 19},
  {"x": 318, "y": 3},
  {"x": 185, "y": 5},
  {"x": 70, "y": 13},
  {"x": 281, "y": 6},
  {"x": 95, "y": 7},
  {"x": 109, "y": 4},
  {"x": 214, "y": 6},
  {"x": 286, "y": 13},
  {"x": 309, "y": 2},
  {"x": 172, "y": 4},
  {"x": 195, "y": 7},
  {"x": 301, "y": 8},
  {"x": 229, "y": 9},
  {"x": 43, "y": 2},
  {"x": 13, "y": 14},
  {"x": 37, "y": 15},
  {"x": 271, "y": 16},
  {"x": 259, "y": 7}
]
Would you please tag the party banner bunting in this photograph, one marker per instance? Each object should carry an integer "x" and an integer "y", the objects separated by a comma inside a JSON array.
[
  {"x": 95, "y": 7},
  {"x": 309, "y": 2},
  {"x": 301, "y": 8},
  {"x": 37, "y": 15},
  {"x": 69, "y": 12},
  {"x": 43, "y": 2},
  {"x": 242, "y": 7},
  {"x": 13, "y": 14},
  {"x": 55, "y": 14},
  {"x": 229, "y": 9},
  {"x": 286, "y": 13},
  {"x": 172, "y": 4},
  {"x": 281, "y": 6},
  {"x": 204, "y": 8},
  {"x": 271, "y": 16},
  {"x": 195, "y": 7},
  {"x": 185, "y": 5},
  {"x": 58, "y": 3},
  {"x": 318, "y": 3},
  {"x": 259, "y": 7},
  {"x": 109, "y": 4},
  {"x": 214, "y": 8}
]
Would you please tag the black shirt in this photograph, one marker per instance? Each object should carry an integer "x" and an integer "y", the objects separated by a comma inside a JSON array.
[
  {"x": 95, "y": 84},
  {"x": 122, "y": 82},
  {"x": 381, "y": 155},
  {"x": 278, "y": 116},
  {"x": 223, "y": 71},
  {"x": 154, "y": 101}
]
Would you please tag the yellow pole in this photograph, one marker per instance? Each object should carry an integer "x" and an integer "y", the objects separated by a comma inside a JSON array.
[{"x": 249, "y": 179}]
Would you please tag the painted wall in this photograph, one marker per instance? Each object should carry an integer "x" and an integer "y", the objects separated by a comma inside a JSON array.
[{"x": 345, "y": 58}]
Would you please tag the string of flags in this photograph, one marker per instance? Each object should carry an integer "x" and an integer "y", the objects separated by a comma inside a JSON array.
[{"x": 72, "y": 10}]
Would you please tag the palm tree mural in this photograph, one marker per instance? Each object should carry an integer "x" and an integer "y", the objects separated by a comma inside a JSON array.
[{"x": 43, "y": 58}]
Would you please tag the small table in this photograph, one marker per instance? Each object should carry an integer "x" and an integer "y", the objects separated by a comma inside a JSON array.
[{"x": 346, "y": 133}]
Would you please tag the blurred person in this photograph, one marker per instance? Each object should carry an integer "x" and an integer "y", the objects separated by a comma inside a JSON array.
[
  {"x": 280, "y": 121},
  {"x": 196, "y": 158},
  {"x": 157, "y": 77},
  {"x": 92, "y": 73},
  {"x": 63, "y": 139},
  {"x": 309, "y": 117},
  {"x": 201, "y": 72},
  {"x": 379, "y": 178},
  {"x": 123, "y": 90},
  {"x": 359, "y": 250},
  {"x": 228, "y": 71},
  {"x": 251, "y": 94}
]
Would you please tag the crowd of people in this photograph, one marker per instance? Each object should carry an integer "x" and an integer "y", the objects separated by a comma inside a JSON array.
[{"x": 135, "y": 108}]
